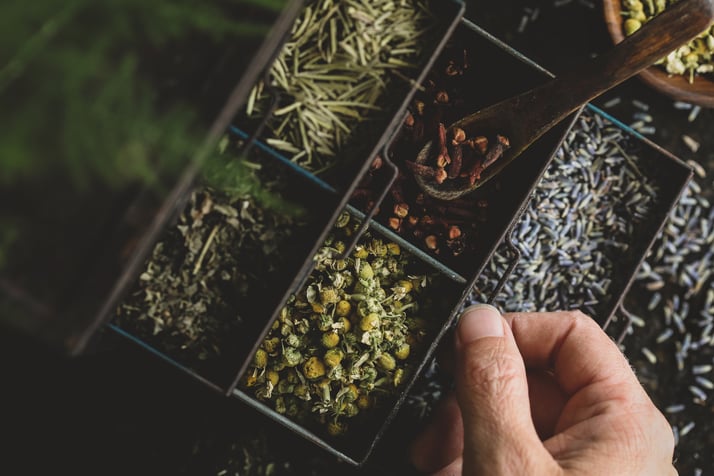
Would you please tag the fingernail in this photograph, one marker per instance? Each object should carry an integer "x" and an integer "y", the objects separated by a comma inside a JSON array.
[{"x": 480, "y": 320}]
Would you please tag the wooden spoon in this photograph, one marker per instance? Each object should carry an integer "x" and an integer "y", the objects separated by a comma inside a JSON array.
[{"x": 527, "y": 116}]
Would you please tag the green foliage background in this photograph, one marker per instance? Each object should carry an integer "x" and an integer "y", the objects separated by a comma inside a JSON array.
[
  {"x": 72, "y": 98},
  {"x": 77, "y": 107}
]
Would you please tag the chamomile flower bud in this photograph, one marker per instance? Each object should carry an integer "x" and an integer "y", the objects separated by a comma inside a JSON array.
[{"x": 314, "y": 368}]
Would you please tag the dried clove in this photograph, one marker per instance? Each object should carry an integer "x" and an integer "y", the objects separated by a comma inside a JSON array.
[
  {"x": 452, "y": 154},
  {"x": 457, "y": 157},
  {"x": 496, "y": 151},
  {"x": 444, "y": 228},
  {"x": 431, "y": 242},
  {"x": 443, "y": 158},
  {"x": 454, "y": 232},
  {"x": 442, "y": 97},
  {"x": 474, "y": 173},
  {"x": 437, "y": 174},
  {"x": 452, "y": 69},
  {"x": 401, "y": 210},
  {"x": 377, "y": 163},
  {"x": 458, "y": 135}
]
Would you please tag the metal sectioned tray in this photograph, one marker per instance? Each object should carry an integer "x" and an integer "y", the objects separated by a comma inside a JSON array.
[
  {"x": 506, "y": 197},
  {"x": 324, "y": 198}
]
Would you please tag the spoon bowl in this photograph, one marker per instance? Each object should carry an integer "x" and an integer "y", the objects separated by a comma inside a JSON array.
[
  {"x": 491, "y": 121},
  {"x": 524, "y": 118}
]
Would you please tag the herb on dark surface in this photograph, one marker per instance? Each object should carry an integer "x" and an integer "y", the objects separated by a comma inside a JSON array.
[
  {"x": 204, "y": 272},
  {"x": 335, "y": 70},
  {"x": 448, "y": 229},
  {"x": 343, "y": 343},
  {"x": 670, "y": 338},
  {"x": 458, "y": 157}
]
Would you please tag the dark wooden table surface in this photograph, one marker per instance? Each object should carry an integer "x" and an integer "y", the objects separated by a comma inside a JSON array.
[{"x": 118, "y": 412}]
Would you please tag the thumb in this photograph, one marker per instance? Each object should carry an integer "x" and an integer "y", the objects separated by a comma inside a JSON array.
[{"x": 492, "y": 391}]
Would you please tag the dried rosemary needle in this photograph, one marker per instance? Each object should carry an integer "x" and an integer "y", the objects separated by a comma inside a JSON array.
[{"x": 333, "y": 73}]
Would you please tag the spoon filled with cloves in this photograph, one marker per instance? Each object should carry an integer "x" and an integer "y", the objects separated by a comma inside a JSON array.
[{"x": 471, "y": 151}]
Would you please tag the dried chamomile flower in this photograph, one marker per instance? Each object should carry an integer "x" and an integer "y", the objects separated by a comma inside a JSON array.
[
  {"x": 692, "y": 58},
  {"x": 344, "y": 341}
]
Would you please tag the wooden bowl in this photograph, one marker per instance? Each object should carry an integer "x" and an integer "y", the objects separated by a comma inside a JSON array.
[{"x": 700, "y": 92}]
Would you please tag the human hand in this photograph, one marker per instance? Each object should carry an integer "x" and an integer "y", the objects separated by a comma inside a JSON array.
[{"x": 541, "y": 394}]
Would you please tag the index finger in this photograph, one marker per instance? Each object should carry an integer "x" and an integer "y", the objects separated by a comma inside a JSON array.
[{"x": 571, "y": 344}]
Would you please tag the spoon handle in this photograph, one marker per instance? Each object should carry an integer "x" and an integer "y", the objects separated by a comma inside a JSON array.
[{"x": 541, "y": 108}]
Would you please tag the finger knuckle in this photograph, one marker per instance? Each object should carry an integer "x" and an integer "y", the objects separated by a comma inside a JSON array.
[
  {"x": 578, "y": 316},
  {"x": 492, "y": 372}
]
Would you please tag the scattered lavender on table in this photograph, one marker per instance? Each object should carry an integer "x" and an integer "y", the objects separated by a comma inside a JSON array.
[{"x": 674, "y": 292}]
